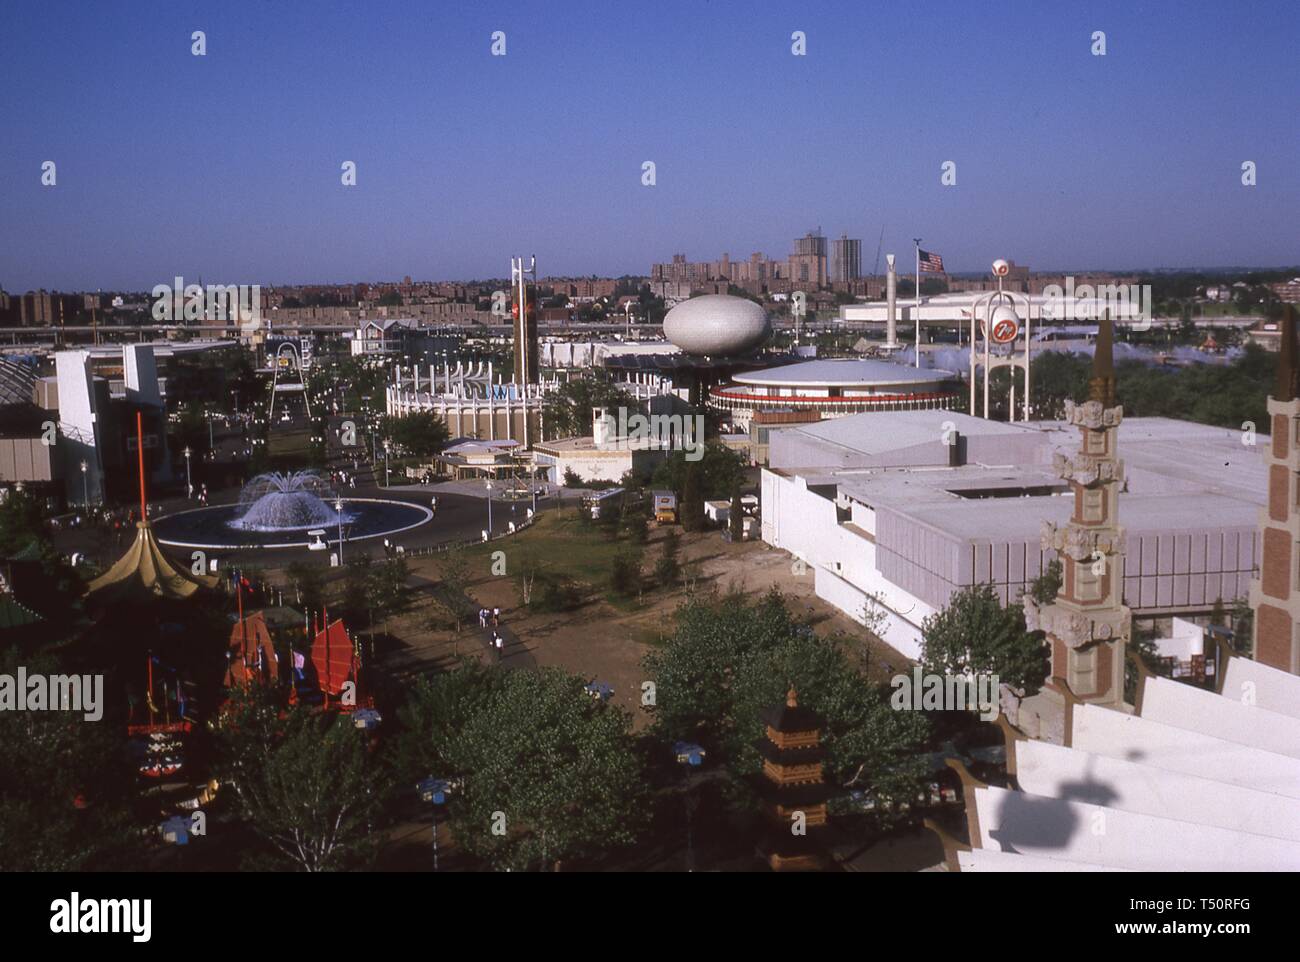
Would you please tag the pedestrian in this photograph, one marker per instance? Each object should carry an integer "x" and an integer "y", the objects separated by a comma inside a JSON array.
[
  {"x": 482, "y": 617},
  {"x": 498, "y": 643},
  {"x": 496, "y": 617}
]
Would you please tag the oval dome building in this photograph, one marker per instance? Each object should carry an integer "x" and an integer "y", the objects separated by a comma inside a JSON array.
[{"x": 717, "y": 325}]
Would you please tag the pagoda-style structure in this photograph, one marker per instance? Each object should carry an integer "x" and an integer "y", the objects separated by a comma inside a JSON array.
[
  {"x": 1087, "y": 626},
  {"x": 1274, "y": 597},
  {"x": 793, "y": 783}
]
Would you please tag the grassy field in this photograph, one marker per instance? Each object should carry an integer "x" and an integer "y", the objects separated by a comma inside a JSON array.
[{"x": 565, "y": 545}]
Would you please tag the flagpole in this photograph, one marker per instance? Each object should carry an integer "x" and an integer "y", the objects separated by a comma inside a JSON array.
[{"x": 917, "y": 242}]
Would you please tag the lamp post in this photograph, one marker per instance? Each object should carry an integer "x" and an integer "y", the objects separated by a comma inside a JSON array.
[
  {"x": 386, "y": 472},
  {"x": 489, "y": 494},
  {"x": 338, "y": 506},
  {"x": 189, "y": 486},
  {"x": 917, "y": 242},
  {"x": 85, "y": 485},
  {"x": 434, "y": 791},
  {"x": 689, "y": 756}
]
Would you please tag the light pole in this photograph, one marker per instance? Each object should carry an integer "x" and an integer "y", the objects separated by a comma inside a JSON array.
[
  {"x": 434, "y": 791},
  {"x": 386, "y": 472},
  {"x": 189, "y": 486},
  {"x": 489, "y": 494},
  {"x": 85, "y": 485},
  {"x": 689, "y": 755},
  {"x": 917, "y": 241},
  {"x": 338, "y": 506}
]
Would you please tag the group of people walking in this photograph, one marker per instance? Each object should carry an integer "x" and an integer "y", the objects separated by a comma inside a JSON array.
[{"x": 491, "y": 618}]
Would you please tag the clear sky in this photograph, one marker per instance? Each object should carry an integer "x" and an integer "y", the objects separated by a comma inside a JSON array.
[{"x": 228, "y": 165}]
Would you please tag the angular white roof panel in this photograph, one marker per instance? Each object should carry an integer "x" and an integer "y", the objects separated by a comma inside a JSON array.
[
  {"x": 1269, "y": 688},
  {"x": 1197, "y": 710},
  {"x": 1053, "y": 771},
  {"x": 1103, "y": 731},
  {"x": 1013, "y": 821}
]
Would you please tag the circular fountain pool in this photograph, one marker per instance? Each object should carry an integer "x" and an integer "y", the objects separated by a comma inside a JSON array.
[{"x": 280, "y": 511}]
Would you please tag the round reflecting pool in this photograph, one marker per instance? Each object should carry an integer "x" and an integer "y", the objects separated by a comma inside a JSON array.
[{"x": 219, "y": 527}]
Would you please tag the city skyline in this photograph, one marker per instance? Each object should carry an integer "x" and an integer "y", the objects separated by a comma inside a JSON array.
[{"x": 228, "y": 165}]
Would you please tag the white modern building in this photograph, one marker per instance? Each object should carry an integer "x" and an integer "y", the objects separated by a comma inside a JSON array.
[{"x": 897, "y": 511}]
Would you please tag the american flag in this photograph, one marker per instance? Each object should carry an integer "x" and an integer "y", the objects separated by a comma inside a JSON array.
[{"x": 931, "y": 263}]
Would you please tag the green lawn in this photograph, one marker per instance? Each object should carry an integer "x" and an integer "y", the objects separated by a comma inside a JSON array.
[{"x": 566, "y": 546}]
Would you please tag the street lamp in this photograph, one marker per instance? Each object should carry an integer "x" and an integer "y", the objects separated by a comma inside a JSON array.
[
  {"x": 189, "y": 486},
  {"x": 434, "y": 791},
  {"x": 85, "y": 485},
  {"x": 489, "y": 499},
  {"x": 338, "y": 506},
  {"x": 689, "y": 756}
]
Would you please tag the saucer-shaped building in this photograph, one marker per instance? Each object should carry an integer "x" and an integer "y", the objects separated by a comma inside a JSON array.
[{"x": 834, "y": 387}]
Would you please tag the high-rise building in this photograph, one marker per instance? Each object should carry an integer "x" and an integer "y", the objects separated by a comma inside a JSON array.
[
  {"x": 808, "y": 262},
  {"x": 1274, "y": 596},
  {"x": 846, "y": 259}
]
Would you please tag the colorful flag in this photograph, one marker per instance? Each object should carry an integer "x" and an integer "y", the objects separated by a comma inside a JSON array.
[{"x": 931, "y": 263}]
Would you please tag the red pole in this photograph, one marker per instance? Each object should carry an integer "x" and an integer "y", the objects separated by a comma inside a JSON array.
[
  {"x": 329, "y": 669},
  {"x": 243, "y": 625},
  {"x": 139, "y": 444}
]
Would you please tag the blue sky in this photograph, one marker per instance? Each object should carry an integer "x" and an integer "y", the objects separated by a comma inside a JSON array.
[{"x": 228, "y": 165}]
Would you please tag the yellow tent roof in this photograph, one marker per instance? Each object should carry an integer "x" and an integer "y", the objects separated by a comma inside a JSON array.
[{"x": 144, "y": 573}]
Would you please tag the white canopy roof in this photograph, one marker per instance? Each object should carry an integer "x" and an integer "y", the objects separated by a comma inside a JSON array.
[{"x": 1199, "y": 782}]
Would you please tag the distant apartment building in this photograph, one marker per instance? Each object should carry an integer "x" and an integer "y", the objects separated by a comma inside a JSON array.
[
  {"x": 1286, "y": 291},
  {"x": 43, "y": 308},
  {"x": 807, "y": 267},
  {"x": 846, "y": 259},
  {"x": 808, "y": 263}
]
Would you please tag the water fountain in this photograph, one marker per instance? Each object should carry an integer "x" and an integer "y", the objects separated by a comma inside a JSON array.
[
  {"x": 293, "y": 510},
  {"x": 286, "y": 502}
]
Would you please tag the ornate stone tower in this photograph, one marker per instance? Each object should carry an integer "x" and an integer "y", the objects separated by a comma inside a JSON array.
[
  {"x": 1273, "y": 595},
  {"x": 1088, "y": 625}
]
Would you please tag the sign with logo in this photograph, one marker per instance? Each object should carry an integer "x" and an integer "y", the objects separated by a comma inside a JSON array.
[{"x": 1005, "y": 330}]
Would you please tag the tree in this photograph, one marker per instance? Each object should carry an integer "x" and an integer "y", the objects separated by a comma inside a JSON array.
[
  {"x": 420, "y": 433},
  {"x": 633, "y": 521},
  {"x": 549, "y": 773},
  {"x": 728, "y": 659},
  {"x": 435, "y": 712},
  {"x": 572, "y": 479},
  {"x": 357, "y": 598},
  {"x": 1047, "y": 585},
  {"x": 453, "y": 583},
  {"x": 691, "y": 508},
  {"x": 719, "y": 471},
  {"x": 305, "y": 782},
  {"x": 66, "y": 786},
  {"x": 668, "y": 567},
  {"x": 625, "y": 573},
  {"x": 308, "y": 584},
  {"x": 975, "y": 635},
  {"x": 388, "y": 590},
  {"x": 568, "y": 411}
]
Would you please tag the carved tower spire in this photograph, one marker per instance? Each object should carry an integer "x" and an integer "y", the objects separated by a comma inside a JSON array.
[{"x": 1088, "y": 625}]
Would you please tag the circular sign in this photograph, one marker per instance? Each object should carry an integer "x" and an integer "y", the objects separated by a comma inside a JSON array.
[
  {"x": 1001, "y": 268},
  {"x": 1005, "y": 331},
  {"x": 1003, "y": 326}
]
